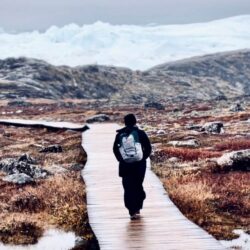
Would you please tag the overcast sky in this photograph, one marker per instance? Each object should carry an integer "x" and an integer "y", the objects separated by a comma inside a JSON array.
[{"x": 26, "y": 15}]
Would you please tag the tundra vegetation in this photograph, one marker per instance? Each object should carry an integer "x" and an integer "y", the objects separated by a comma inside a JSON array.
[
  {"x": 214, "y": 196},
  {"x": 56, "y": 201}
]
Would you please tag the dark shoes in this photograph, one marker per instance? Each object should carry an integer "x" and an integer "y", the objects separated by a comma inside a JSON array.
[{"x": 135, "y": 216}]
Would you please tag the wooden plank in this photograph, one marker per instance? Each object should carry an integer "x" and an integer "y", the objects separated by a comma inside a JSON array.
[
  {"x": 162, "y": 225},
  {"x": 44, "y": 124}
]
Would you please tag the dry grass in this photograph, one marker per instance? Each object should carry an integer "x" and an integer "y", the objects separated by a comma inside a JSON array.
[
  {"x": 217, "y": 202},
  {"x": 58, "y": 201}
]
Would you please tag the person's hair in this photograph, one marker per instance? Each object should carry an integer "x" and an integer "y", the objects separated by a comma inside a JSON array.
[{"x": 130, "y": 120}]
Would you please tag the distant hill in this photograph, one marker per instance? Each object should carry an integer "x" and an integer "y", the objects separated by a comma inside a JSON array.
[{"x": 220, "y": 75}]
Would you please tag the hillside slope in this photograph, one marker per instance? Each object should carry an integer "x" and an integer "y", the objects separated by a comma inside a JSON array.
[{"x": 206, "y": 77}]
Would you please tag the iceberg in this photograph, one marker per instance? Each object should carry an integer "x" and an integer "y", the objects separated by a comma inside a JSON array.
[{"x": 132, "y": 46}]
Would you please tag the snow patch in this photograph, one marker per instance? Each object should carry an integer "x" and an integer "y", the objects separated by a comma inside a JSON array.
[
  {"x": 241, "y": 243},
  {"x": 52, "y": 239}
]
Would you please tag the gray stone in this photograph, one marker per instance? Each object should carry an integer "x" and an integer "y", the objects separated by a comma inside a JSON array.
[
  {"x": 51, "y": 149},
  {"x": 19, "y": 103},
  {"x": 236, "y": 160},
  {"x": 215, "y": 127},
  {"x": 80, "y": 243},
  {"x": 236, "y": 108},
  {"x": 187, "y": 143},
  {"x": 155, "y": 105},
  {"x": 161, "y": 132},
  {"x": 77, "y": 167},
  {"x": 55, "y": 169},
  {"x": 173, "y": 159},
  {"x": 193, "y": 127},
  {"x": 27, "y": 158},
  {"x": 18, "y": 178},
  {"x": 13, "y": 166},
  {"x": 98, "y": 118}
]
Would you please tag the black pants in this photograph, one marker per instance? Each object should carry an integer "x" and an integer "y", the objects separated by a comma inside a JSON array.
[{"x": 134, "y": 194}]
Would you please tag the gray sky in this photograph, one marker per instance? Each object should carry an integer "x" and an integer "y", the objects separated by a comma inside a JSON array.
[{"x": 26, "y": 15}]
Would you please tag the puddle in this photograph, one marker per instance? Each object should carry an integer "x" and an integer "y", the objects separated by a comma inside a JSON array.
[
  {"x": 52, "y": 239},
  {"x": 241, "y": 243}
]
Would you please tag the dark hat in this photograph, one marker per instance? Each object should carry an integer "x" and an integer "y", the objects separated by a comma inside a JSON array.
[{"x": 130, "y": 120}]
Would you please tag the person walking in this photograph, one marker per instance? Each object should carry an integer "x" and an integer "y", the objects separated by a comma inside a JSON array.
[{"x": 131, "y": 148}]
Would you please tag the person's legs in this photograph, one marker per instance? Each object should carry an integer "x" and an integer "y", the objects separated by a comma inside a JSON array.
[
  {"x": 140, "y": 193},
  {"x": 134, "y": 193},
  {"x": 129, "y": 194}
]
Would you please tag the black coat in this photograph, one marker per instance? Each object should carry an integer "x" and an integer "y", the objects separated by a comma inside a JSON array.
[{"x": 130, "y": 168}]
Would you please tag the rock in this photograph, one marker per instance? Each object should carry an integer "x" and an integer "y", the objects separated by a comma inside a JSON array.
[
  {"x": 18, "y": 178},
  {"x": 27, "y": 158},
  {"x": 173, "y": 159},
  {"x": 220, "y": 98},
  {"x": 13, "y": 166},
  {"x": 236, "y": 108},
  {"x": 51, "y": 149},
  {"x": 98, "y": 118},
  {"x": 77, "y": 167},
  {"x": 55, "y": 169},
  {"x": 187, "y": 143},
  {"x": 161, "y": 132},
  {"x": 19, "y": 103},
  {"x": 80, "y": 243},
  {"x": 193, "y": 127},
  {"x": 175, "y": 110},
  {"x": 236, "y": 160},
  {"x": 213, "y": 127},
  {"x": 155, "y": 105}
]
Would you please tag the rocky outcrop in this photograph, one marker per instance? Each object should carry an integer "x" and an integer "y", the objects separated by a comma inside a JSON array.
[
  {"x": 22, "y": 170},
  {"x": 236, "y": 160},
  {"x": 219, "y": 76}
]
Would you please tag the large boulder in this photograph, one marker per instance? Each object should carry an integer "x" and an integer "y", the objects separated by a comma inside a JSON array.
[
  {"x": 187, "y": 143},
  {"x": 236, "y": 160},
  {"x": 213, "y": 127},
  {"x": 98, "y": 118},
  {"x": 19, "y": 178}
]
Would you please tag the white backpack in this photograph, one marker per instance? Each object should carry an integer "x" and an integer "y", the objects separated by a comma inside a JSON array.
[{"x": 130, "y": 147}]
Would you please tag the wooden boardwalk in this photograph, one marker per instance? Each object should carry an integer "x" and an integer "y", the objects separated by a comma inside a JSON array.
[{"x": 162, "y": 225}]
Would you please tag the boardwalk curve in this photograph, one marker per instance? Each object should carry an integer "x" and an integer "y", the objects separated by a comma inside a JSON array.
[{"x": 162, "y": 225}]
